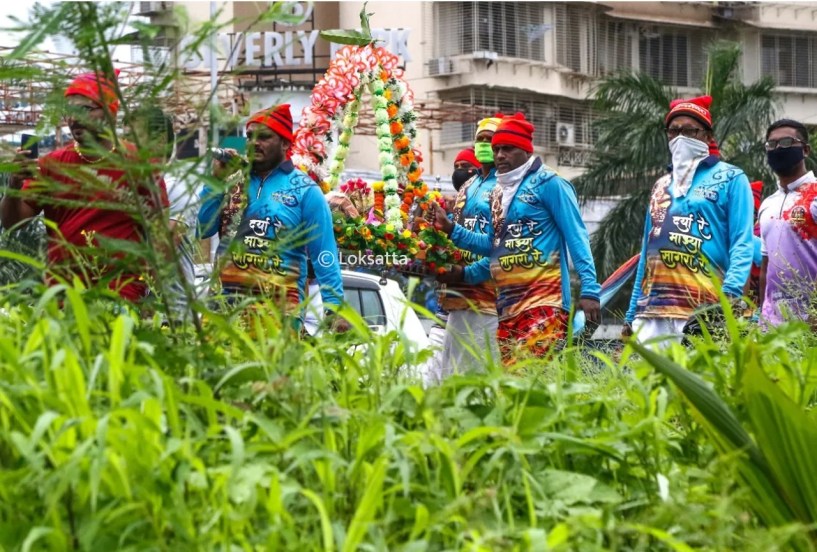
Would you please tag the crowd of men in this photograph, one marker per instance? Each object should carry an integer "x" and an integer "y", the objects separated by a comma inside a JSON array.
[{"x": 516, "y": 221}]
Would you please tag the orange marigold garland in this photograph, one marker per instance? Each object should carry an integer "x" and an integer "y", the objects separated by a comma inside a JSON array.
[{"x": 335, "y": 101}]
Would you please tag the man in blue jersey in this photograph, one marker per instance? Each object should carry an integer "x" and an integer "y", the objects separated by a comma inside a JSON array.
[
  {"x": 471, "y": 303},
  {"x": 535, "y": 221},
  {"x": 273, "y": 223},
  {"x": 698, "y": 230}
]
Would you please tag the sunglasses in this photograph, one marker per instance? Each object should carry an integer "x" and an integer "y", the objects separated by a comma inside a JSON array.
[
  {"x": 688, "y": 131},
  {"x": 784, "y": 143}
]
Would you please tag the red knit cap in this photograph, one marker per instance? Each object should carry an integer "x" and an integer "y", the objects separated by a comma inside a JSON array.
[
  {"x": 278, "y": 118},
  {"x": 514, "y": 131},
  {"x": 97, "y": 88},
  {"x": 697, "y": 108},
  {"x": 468, "y": 155}
]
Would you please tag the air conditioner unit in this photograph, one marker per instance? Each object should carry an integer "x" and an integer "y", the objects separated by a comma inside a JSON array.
[
  {"x": 565, "y": 134},
  {"x": 150, "y": 8},
  {"x": 439, "y": 67}
]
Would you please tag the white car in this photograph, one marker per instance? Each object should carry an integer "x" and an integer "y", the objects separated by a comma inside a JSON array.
[{"x": 380, "y": 302}]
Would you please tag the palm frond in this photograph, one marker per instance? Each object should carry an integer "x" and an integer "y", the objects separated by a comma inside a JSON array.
[
  {"x": 746, "y": 110},
  {"x": 630, "y": 148},
  {"x": 722, "y": 68}
]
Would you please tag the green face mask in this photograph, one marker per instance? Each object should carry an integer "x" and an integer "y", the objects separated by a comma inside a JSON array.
[{"x": 484, "y": 152}]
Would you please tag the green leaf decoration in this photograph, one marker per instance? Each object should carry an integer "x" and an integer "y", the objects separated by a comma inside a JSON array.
[
  {"x": 340, "y": 36},
  {"x": 364, "y": 20},
  {"x": 352, "y": 37}
]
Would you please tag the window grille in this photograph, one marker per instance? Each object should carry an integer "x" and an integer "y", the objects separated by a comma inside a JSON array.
[
  {"x": 614, "y": 50},
  {"x": 576, "y": 37},
  {"x": 589, "y": 43},
  {"x": 676, "y": 57},
  {"x": 789, "y": 60},
  {"x": 545, "y": 112},
  {"x": 511, "y": 29}
]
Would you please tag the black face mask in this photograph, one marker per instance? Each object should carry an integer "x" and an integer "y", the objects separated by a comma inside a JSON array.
[
  {"x": 461, "y": 176},
  {"x": 785, "y": 161}
]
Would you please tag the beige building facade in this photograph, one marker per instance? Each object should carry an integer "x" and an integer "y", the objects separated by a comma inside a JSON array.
[{"x": 541, "y": 58}]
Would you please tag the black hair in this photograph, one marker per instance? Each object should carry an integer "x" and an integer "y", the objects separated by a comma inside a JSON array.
[{"x": 801, "y": 129}]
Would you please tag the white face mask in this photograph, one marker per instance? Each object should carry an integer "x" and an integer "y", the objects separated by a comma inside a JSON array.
[
  {"x": 687, "y": 153},
  {"x": 684, "y": 149}
]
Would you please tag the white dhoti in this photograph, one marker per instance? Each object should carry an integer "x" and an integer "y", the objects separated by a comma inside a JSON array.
[
  {"x": 658, "y": 333},
  {"x": 470, "y": 341},
  {"x": 431, "y": 371}
]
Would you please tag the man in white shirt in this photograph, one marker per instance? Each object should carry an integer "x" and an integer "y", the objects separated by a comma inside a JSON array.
[{"x": 788, "y": 228}]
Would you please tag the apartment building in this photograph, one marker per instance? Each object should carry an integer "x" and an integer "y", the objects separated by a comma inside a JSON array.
[{"x": 541, "y": 58}]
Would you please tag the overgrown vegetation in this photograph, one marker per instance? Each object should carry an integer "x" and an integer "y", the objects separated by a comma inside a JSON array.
[{"x": 117, "y": 433}]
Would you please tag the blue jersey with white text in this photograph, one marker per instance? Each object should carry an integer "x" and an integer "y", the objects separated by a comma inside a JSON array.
[
  {"x": 472, "y": 209},
  {"x": 691, "y": 241},
  {"x": 286, "y": 218},
  {"x": 529, "y": 246}
]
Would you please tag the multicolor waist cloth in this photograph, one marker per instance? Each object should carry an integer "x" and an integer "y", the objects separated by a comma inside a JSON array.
[{"x": 535, "y": 331}]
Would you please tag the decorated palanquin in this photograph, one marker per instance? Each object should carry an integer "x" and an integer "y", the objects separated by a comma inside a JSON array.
[{"x": 393, "y": 224}]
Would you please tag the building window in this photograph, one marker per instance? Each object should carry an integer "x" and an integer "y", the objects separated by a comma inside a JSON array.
[
  {"x": 562, "y": 125},
  {"x": 675, "y": 57},
  {"x": 576, "y": 37},
  {"x": 589, "y": 43},
  {"x": 511, "y": 29},
  {"x": 615, "y": 47},
  {"x": 789, "y": 60}
]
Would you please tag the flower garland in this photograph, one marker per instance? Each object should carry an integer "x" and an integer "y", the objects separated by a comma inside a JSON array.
[
  {"x": 385, "y": 156},
  {"x": 350, "y": 119},
  {"x": 379, "y": 201},
  {"x": 341, "y": 85},
  {"x": 336, "y": 102}
]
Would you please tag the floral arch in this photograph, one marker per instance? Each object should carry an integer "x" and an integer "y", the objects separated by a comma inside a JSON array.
[{"x": 401, "y": 195}]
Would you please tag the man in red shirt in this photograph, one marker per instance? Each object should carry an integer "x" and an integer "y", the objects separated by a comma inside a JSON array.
[{"x": 85, "y": 190}]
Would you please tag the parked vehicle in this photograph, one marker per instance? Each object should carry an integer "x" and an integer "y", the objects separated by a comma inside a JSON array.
[{"x": 380, "y": 302}]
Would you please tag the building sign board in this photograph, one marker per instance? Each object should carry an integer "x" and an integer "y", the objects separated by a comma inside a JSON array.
[{"x": 278, "y": 49}]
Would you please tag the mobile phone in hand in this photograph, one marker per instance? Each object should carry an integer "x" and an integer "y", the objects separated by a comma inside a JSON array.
[{"x": 31, "y": 143}]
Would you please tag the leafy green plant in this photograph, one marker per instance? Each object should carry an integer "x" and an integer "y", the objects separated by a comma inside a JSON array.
[
  {"x": 120, "y": 433},
  {"x": 769, "y": 433}
]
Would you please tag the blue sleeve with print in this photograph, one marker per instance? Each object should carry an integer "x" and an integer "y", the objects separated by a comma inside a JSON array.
[
  {"x": 209, "y": 212},
  {"x": 639, "y": 274},
  {"x": 741, "y": 236},
  {"x": 559, "y": 197},
  {"x": 478, "y": 272},
  {"x": 321, "y": 245},
  {"x": 757, "y": 259},
  {"x": 481, "y": 244}
]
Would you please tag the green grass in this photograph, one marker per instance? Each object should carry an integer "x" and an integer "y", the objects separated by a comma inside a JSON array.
[
  {"x": 231, "y": 435},
  {"x": 116, "y": 434}
]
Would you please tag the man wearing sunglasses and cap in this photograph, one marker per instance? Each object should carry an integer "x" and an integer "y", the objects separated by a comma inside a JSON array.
[
  {"x": 698, "y": 230},
  {"x": 274, "y": 222},
  {"x": 788, "y": 228}
]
